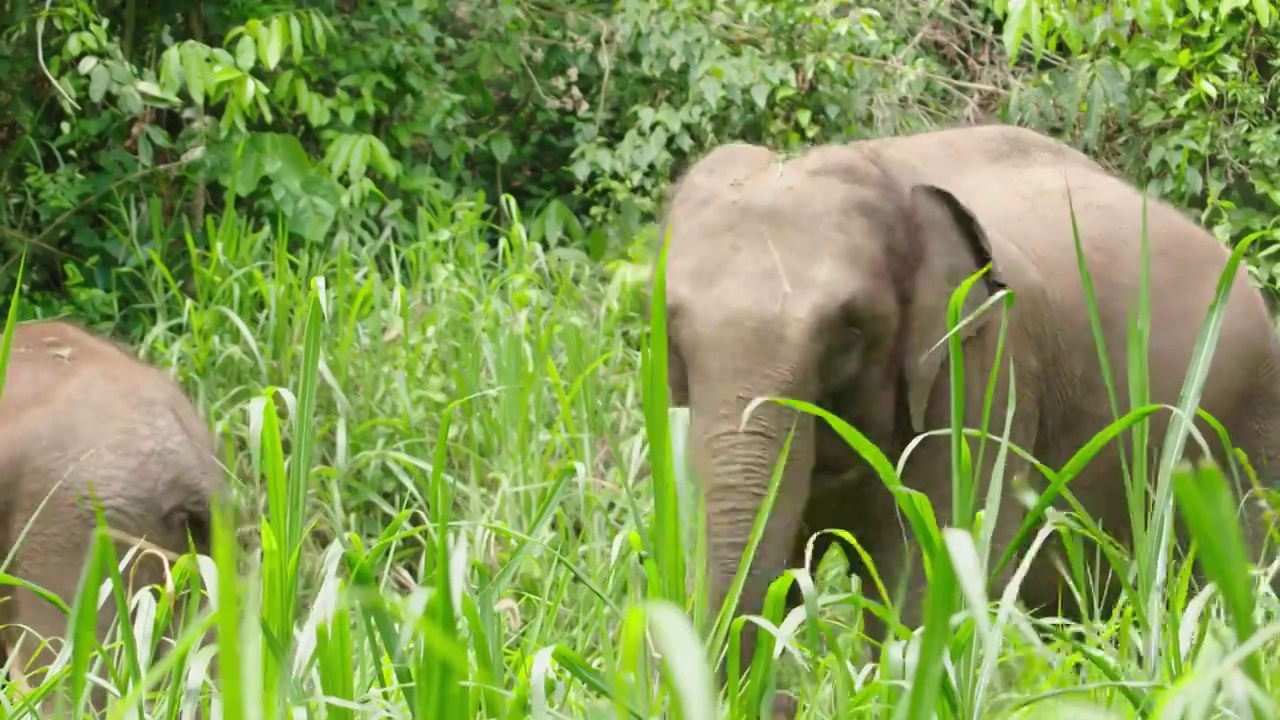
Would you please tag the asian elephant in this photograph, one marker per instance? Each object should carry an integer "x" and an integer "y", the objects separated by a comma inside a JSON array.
[
  {"x": 84, "y": 424},
  {"x": 825, "y": 277}
]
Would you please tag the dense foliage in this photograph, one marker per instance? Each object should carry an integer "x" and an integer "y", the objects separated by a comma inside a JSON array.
[
  {"x": 474, "y": 184},
  {"x": 327, "y": 119}
]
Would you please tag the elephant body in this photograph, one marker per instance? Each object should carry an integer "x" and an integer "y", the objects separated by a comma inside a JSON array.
[
  {"x": 82, "y": 422},
  {"x": 825, "y": 278}
]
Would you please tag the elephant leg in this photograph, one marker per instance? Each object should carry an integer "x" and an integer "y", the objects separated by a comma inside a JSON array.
[
  {"x": 930, "y": 473},
  {"x": 822, "y": 513},
  {"x": 1100, "y": 488},
  {"x": 899, "y": 558},
  {"x": 838, "y": 504},
  {"x": 858, "y": 505},
  {"x": 928, "y": 470}
]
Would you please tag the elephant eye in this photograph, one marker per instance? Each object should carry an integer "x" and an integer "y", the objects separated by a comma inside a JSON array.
[
  {"x": 842, "y": 358},
  {"x": 849, "y": 344},
  {"x": 677, "y": 380},
  {"x": 194, "y": 523},
  {"x": 849, "y": 323}
]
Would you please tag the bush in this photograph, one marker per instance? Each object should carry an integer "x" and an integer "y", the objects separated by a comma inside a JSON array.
[{"x": 329, "y": 120}]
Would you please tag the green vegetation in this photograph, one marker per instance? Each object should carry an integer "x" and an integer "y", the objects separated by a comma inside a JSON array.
[{"x": 393, "y": 250}]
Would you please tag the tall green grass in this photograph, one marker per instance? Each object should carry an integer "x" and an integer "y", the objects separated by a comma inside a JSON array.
[{"x": 470, "y": 500}]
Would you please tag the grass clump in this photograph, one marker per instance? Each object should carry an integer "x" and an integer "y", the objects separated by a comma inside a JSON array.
[{"x": 470, "y": 501}]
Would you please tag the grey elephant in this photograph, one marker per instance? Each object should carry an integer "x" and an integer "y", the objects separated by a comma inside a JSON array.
[
  {"x": 83, "y": 422},
  {"x": 825, "y": 278}
]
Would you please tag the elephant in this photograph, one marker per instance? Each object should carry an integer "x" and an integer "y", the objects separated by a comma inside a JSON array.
[
  {"x": 83, "y": 425},
  {"x": 825, "y": 277}
]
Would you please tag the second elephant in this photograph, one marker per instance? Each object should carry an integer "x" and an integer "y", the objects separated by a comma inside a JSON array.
[{"x": 85, "y": 425}]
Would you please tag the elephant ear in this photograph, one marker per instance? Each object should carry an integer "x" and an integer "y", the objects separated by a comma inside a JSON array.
[{"x": 953, "y": 247}]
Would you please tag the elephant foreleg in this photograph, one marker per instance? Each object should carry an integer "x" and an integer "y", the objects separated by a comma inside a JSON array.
[{"x": 929, "y": 470}]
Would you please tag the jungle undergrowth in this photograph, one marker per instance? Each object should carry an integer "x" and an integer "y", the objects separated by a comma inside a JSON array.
[{"x": 473, "y": 502}]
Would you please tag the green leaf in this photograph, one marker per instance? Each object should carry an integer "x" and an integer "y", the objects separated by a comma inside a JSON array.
[
  {"x": 1207, "y": 506},
  {"x": 501, "y": 147},
  {"x": 684, "y": 662},
  {"x": 245, "y": 51},
  {"x": 760, "y": 93},
  {"x": 553, "y": 223},
  {"x": 248, "y": 166},
  {"x": 146, "y": 153},
  {"x": 487, "y": 65},
  {"x": 1016, "y": 25},
  {"x": 358, "y": 160},
  {"x": 284, "y": 159},
  {"x": 318, "y": 30},
  {"x": 171, "y": 72},
  {"x": 153, "y": 91},
  {"x": 1263, "y": 10},
  {"x": 1166, "y": 74},
  {"x": 380, "y": 157},
  {"x": 295, "y": 39},
  {"x": 194, "y": 69},
  {"x": 338, "y": 155},
  {"x": 275, "y": 35},
  {"x": 317, "y": 208},
  {"x": 1207, "y": 87},
  {"x": 98, "y": 80}
]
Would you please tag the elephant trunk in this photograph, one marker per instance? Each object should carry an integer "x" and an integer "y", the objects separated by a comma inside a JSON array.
[{"x": 736, "y": 463}]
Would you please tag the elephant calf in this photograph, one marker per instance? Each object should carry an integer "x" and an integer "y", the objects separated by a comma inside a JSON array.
[
  {"x": 83, "y": 422},
  {"x": 825, "y": 277}
]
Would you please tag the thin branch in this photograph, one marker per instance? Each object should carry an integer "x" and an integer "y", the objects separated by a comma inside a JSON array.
[{"x": 40, "y": 55}]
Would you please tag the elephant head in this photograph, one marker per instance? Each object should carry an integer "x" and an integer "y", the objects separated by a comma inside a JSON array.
[
  {"x": 823, "y": 278},
  {"x": 87, "y": 427}
]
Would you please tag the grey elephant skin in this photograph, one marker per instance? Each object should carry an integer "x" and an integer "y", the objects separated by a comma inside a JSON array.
[
  {"x": 85, "y": 424},
  {"x": 825, "y": 278}
]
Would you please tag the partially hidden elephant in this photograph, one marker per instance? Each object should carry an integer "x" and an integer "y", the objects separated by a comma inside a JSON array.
[
  {"x": 84, "y": 425},
  {"x": 825, "y": 277}
]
